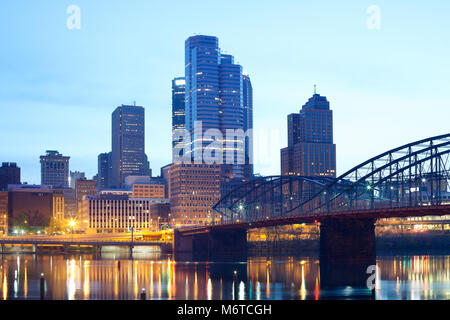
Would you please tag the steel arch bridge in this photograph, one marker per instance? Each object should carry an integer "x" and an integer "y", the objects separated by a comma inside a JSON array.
[{"x": 409, "y": 180}]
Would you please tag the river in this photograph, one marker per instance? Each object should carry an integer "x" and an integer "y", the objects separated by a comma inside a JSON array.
[{"x": 115, "y": 276}]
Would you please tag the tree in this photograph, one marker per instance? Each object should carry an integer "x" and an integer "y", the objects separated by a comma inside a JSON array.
[
  {"x": 56, "y": 225},
  {"x": 31, "y": 220}
]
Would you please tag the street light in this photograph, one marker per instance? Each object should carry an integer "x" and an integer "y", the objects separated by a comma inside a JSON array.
[{"x": 72, "y": 224}]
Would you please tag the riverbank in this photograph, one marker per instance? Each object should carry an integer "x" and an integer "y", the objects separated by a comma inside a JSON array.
[{"x": 414, "y": 243}]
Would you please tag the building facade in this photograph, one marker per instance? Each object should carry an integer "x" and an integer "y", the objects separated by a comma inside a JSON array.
[
  {"x": 128, "y": 144},
  {"x": 104, "y": 170},
  {"x": 178, "y": 116},
  {"x": 85, "y": 188},
  {"x": 70, "y": 201},
  {"x": 194, "y": 189},
  {"x": 9, "y": 174},
  {"x": 214, "y": 104},
  {"x": 248, "y": 125},
  {"x": 310, "y": 151},
  {"x": 35, "y": 202},
  {"x": 74, "y": 176},
  {"x": 148, "y": 190},
  {"x": 110, "y": 213},
  {"x": 55, "y": 169},
  {"x": 3, "y": 212},
  {"x": 58, "y": 206}
]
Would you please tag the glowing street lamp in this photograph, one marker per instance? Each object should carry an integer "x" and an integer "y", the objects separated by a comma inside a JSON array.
[{"x": 72, "y": 224}]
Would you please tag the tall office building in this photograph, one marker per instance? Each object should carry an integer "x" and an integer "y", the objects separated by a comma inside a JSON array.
[
  {"x": 104, "y": 170},
  {"x": 55, "y": 169},
  {"x": 178, "y": 115},
  {"x": 9, "y": 174},
  {"x": 248, "y": 125},
  {"x": 214, "y": 101},
  {"x": 310, "y": 150},
  {"x": 128, "y": 144}
]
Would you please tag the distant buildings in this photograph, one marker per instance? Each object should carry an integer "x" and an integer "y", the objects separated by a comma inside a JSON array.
[
  {"x": 54, "y": 169},
  {"x": 104, "y": 170},
  {"x": 85, "y": 188},
  {"x": 310, "y": 151},
  {"x": 74, "y": 176},
  {"x": 9, "y": 174}
]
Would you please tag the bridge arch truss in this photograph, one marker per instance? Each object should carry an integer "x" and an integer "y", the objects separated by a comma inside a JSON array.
[{"x": 411, "y": 176}]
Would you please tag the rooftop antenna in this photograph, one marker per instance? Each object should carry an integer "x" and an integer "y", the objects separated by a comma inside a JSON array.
[
  {"x": 134, "y": 103},
  {"x": 315, "y": 89}
]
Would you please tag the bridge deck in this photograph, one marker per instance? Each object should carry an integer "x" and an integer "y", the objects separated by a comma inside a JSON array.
[
  {"x": 80, "y": 243},
  {"x": 312, "y": 218}
]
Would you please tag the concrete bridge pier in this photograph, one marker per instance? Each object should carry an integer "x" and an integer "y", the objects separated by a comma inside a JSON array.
[
  {"x": 131, "y": 251},
  {"x": 97, "y": 250},
  {"x": 347, "y": 249},
  {"x": 211, "y": 244},
  {"x": 35, "y": 248}
]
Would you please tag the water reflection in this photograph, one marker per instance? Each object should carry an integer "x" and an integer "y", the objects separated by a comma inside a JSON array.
[{"x": 115, "y": 276}]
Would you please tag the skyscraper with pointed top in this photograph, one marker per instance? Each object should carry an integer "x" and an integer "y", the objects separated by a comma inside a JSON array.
[{"x": 310, "y": 151}]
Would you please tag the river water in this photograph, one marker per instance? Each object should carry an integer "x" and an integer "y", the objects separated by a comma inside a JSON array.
[{"x": 116, "y": 276}]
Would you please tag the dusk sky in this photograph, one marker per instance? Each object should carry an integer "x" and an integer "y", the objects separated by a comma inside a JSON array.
[{"x": 58, "y": 87}]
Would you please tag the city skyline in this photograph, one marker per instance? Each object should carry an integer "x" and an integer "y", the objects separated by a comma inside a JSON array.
[{"x": 361, "y": 93}]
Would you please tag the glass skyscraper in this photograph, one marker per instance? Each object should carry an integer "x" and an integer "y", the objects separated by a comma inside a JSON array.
[
  {"x": 248, "y": 124},
  {"x": 178, "y": 113},
  {"x": 128, "y": 144},
  {"x": 310, "y": 150},
  {"x": 214, "y": 98}
]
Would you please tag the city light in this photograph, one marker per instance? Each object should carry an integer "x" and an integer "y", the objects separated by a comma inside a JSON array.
[{"x": 101, "y": 222}]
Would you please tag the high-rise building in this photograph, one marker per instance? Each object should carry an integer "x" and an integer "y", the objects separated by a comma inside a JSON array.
[
  {"x": 9, "y": 174},
  {"x": 178, "y": 115},
  {"x": 55, "y": 169},
  {"x": 128, "y": 144},
  {"x": 104, "y": 170},
  {"x": 74, "y": 176},
  {"x": 310, "y": 151},
  {"x": 214, "y": 102},
  {"x": 248, "y": 125}
]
